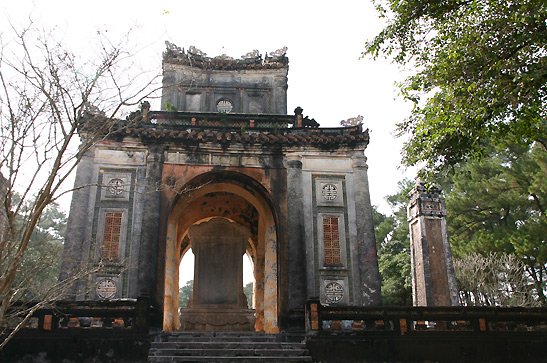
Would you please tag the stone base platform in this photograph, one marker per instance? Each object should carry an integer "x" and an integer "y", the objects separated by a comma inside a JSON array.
[{"x": 217, "y": 319}]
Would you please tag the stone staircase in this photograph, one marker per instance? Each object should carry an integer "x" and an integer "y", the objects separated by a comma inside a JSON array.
[{"x": 225, "y": 347}]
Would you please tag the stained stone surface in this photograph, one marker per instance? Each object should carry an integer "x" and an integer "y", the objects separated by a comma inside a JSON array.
[{"x": 218, "y": 301}]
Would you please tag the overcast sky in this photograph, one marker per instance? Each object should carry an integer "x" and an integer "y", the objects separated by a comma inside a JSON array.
[{"x": 327, "y": 76}]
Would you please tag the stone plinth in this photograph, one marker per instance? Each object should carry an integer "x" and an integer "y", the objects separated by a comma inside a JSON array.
[
  {"x": 218, "y": 302},
  {"x": 217, "y": 319}
]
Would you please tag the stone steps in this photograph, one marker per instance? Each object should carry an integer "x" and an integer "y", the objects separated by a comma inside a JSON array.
[
  {"x": 214, "y": 359},
  {"x": 225, "y": 347}
]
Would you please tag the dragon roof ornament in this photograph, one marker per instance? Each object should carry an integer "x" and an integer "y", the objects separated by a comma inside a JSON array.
[
  {"x": 278, "y": 53},
  {"x": 352, "y": 121},
  {"x": 251, "y": 60}
]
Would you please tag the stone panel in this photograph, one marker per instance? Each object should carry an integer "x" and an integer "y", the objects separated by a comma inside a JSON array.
[
  {"x": 329, "y": 192},
  {"x": 326, "y": 164},
  {"x": 115, "y": 186},
  {"x": 334, "y": 290},
  {"x": 120, "y": 157}
]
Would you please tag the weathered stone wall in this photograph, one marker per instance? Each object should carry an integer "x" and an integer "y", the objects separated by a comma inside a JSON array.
[
  {"x": 112, "y": 184},
  {"x": 249, "y": 91},
  {"x": 337, "y": 230}
]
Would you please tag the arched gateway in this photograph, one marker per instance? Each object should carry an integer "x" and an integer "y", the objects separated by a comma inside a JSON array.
[
  {"x": 216, "y": 200},
  {"x": 229, "y": 174}
]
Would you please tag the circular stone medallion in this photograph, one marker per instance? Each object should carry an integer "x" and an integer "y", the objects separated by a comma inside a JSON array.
[
  {"x": 115, "y": 186},
  {"x": 225, "y": 105},
  {"x": 106, "y": 289}
]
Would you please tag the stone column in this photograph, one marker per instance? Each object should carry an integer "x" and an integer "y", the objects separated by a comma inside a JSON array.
[
  {"x": 297, "y": 241},
  {"x": 369, "y": 275},
  {"x": 76, "y": 239},
  {"x": 433, "y": 278},
  {"x": 148, "y": 248}
]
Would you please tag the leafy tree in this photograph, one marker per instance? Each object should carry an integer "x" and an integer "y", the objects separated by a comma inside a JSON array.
[
  {"x": 184, "y": 294},
  {"x": 392, "y": 236},
  {"x": 248, "y": 291},
  {"x": 481, "y": 75},
  {"x": 40, "y": 267},
  {"x": 497, "y": 204}
]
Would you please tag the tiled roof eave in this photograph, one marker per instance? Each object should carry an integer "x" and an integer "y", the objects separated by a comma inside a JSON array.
[{"x": 320, "y": 138}]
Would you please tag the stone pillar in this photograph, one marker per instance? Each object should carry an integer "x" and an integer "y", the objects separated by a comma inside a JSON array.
[
  {"x": 433, "y": 278},
  {"x": 369, "y": 275},
  {"x": 76, "y": 239},
  {"x": 148, "y": 248},
  {"x": 297, "y": 241},
  {"x": 280, "y": 95},
  {"x": 270, "y": 279}
]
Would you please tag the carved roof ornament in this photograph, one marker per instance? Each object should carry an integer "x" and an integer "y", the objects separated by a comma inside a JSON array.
[
  {"x": 195, "y": 51},
  {"x": 196, "y": 58},
  {"x": 278, "y": 53},
  {"x": 352, "y": 121},
  {"x": 254, "y": 54},
  {"x": 173, "y": 47},
  {"x": 224, "y": 57}
]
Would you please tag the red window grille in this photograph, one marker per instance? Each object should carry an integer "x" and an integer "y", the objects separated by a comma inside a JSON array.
[
  {"x": 331, "y": 239},
  {"x": 111, "y": 238}
]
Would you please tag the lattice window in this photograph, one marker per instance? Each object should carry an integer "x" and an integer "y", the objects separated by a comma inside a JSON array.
[
  {"x": 111, "y": 237},
  {"x": 331, "y": 240}
]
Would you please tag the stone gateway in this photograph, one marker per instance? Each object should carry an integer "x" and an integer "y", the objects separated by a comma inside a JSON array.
[{"x": 224, "y": 171}]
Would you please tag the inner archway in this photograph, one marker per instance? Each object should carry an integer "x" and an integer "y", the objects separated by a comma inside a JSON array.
[{"x": 238, "y": 204}]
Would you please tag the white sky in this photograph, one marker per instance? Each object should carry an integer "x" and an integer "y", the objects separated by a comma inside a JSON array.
[{"x": 327, "y": 78}]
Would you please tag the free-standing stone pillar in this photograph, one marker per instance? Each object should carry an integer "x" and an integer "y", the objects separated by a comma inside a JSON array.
[
  {"x": 218, "y": 301},
  {"x": 433, "y": 278}
]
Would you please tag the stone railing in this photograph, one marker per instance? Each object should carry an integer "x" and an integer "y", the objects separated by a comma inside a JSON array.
[
  {"x": 331, "y": 320},
  {"x": 226, "y": 120},
  {"x": 130, "y": 314}
]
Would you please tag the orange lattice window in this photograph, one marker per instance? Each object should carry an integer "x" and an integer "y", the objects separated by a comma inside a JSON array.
[
  {"x": 331, "y": 237},
  {"x": 111, "y": 238}
]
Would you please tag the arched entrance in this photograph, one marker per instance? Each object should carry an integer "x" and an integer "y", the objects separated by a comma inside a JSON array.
[{"x": 238, "y": 201}]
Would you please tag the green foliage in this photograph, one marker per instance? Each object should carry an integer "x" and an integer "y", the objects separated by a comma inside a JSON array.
[
  {"x": 498, "y": 204},
  {"x": 392, "y": 237},
  {"x": 169, "y": 107},
  {"x": 40, "y": 267},
  {"x": 481, "y": 75},
  {"x": 184, "y": 294},
  {"x": 223, "y": 116},
  {"x": 248, "y": 291}
]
